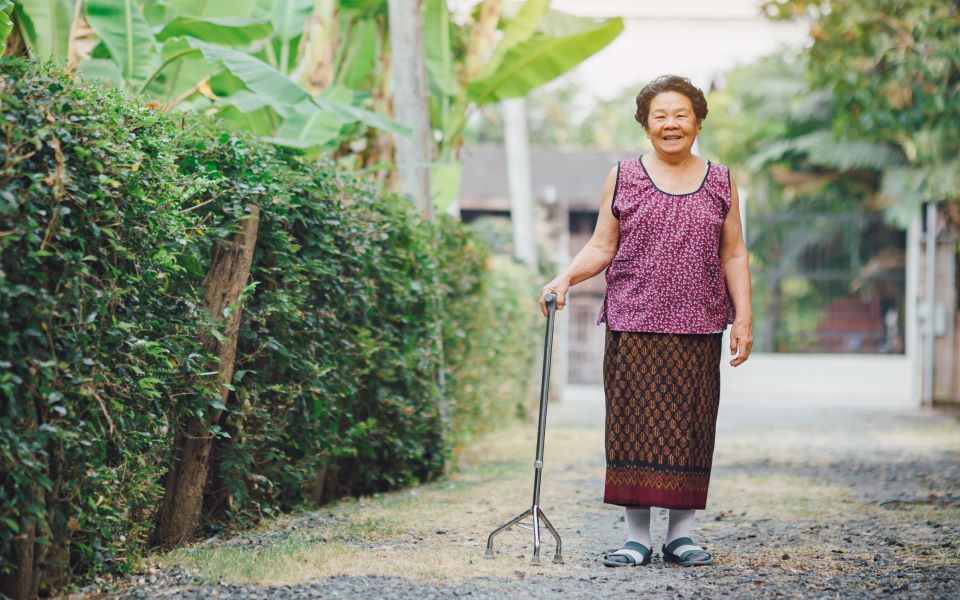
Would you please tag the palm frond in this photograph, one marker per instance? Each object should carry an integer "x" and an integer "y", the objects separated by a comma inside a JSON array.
[
  {"x": 822, "y": 149},
  {"x": 904, "y": 189},
  {"x": 813, "y": 106}
]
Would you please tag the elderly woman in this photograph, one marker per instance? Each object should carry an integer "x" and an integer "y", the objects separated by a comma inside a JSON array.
[{"x": 669, "y": 236}]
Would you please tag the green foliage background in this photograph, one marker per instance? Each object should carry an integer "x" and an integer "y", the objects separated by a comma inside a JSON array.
[{"x": 108, "y": 214}]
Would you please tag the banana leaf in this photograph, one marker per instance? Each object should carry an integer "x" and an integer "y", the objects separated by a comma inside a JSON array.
[
  {"x": 257, "y": 75},
  {"x": 183, "y": 67},
  {"x": 127, "y": 35},
  {"x": 307, "y": 126},
  {"x": 6, "y": 23},
  {"x": 260, "y": 122},
  {"x": 226, "y": 31},
  {"x": 46, "y": 27},
  {"x": 102, "y": 68},
  {"x": 436, "y": 42},
  {"x": 519, "y": 29},
  {"x": 367, "y": 8},
  {"x": 243, "y": 100},
  {"x": 445, "y": 180},
  {"x": 156, "y": 13},
  {"x": 289, "y": 17},
  {"x": 258, "y": 10},
  {"x": 538, "y": 60},
  {"x": 359, "y": 61},
  {"x": 284, "y": 93}
]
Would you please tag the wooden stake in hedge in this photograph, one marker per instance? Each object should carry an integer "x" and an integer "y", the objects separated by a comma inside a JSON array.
[{"x": 229, "y": 271}]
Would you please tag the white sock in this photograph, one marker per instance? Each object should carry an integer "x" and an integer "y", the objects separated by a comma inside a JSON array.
[
  {"x": 680, "y": 523},
  {"x": 638, "y": 526}
]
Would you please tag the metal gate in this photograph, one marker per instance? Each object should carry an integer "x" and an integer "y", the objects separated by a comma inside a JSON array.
[{"x": 827, "y": 283}]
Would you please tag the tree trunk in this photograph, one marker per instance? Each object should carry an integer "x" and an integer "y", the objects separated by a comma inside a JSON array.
[
  {"x": 408, "y": 83},
  {"x": 30, "y": 567},
  {"x": 179, "y": 513},
  {"x": 53, "y": 558},
  {"x": 314, "y": 491}
]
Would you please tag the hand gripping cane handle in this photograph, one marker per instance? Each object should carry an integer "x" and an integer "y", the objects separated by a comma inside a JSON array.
[{"x": 551, "y": 299}]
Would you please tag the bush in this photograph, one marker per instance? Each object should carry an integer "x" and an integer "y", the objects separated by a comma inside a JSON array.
[
  {"x": 97, "y": 322},
  {"x": 108, "y": 216}
]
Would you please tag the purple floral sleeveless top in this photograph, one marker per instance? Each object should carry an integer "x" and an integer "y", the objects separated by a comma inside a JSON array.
[{"x": 667, "y": 276}]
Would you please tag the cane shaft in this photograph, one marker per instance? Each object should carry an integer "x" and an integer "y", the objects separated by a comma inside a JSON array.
[{"x": 544, "y": 396}]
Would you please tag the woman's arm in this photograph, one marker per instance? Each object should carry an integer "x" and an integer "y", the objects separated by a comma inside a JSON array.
[
  {"x": 733, "y": 255},
  {"x": 596, "y": 255}
]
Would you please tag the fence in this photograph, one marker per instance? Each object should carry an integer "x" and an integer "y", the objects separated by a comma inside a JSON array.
[{"x": 827, "y": 282}]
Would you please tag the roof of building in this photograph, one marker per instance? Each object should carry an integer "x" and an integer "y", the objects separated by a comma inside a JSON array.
[{"x": 574, "y": 176}]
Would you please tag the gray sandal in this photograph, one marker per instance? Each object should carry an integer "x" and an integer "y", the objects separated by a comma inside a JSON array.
[
  {"x": 631, "y": 555},
  {"x": 685, "y": 553}
]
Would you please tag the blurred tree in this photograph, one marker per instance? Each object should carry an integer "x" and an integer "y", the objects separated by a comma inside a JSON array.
[
  {"x": 893, "y": 71},
  {"x": 805, "y": 188}
]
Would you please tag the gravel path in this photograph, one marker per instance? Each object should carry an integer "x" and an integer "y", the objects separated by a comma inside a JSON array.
[{"x": 806, "y": 501}]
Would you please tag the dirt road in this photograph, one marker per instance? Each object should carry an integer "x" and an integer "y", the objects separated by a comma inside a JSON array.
[{"x": 809, "y": 499}]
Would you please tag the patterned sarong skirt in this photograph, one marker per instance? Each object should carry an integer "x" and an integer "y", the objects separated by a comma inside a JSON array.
[{"x": 662, "y": 394}]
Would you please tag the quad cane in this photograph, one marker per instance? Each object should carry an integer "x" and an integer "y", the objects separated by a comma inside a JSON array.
[{"x": 535, "y": 511}]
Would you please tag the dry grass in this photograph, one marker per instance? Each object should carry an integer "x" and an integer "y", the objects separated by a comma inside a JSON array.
[{"x": 432, "y": 533}]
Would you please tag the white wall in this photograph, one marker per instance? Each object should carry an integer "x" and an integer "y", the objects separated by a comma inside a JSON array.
[{"x": 877, "y": 380}]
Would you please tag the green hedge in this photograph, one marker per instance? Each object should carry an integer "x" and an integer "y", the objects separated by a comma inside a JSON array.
[{"x": 108, "y": 215}]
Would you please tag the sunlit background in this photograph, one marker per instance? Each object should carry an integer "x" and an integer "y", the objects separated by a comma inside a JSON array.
[{"x": 835, "y": 241}]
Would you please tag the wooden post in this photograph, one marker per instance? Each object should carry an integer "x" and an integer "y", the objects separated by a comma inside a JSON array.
[{"x": 179, "y": 513}]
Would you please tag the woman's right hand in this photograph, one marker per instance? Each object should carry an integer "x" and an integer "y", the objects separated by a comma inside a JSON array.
[{"x": 558, "y": 286}]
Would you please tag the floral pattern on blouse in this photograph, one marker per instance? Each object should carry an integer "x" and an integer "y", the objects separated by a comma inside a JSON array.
[{"x": 666, "y": 275}]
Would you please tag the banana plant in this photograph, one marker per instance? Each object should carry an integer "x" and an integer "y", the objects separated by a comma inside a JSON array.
[
  {"x": 296, "y": 71},
  {"x": 231, "y": 57},
  {"x": 537, "y": 46}
]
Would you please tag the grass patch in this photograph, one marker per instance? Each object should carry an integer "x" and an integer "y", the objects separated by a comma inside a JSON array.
[{"x": 433, "y": 533}]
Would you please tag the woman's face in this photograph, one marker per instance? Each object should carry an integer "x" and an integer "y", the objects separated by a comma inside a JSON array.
[{"x": 672, "y": 125}]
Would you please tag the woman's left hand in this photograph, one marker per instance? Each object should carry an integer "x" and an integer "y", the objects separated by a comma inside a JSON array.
[{"x": 741, "y": 340}]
